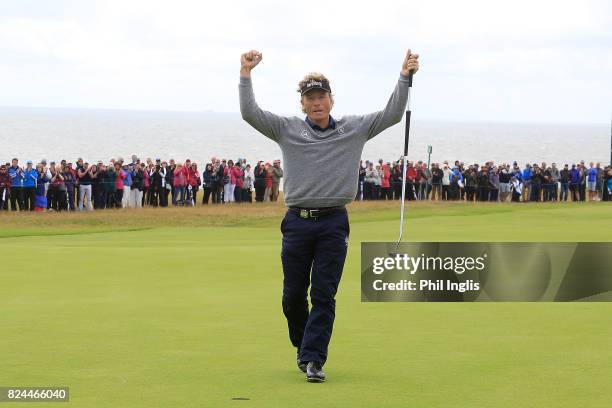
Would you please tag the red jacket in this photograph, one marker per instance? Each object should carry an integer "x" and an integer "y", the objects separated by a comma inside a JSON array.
[
  {"x": 411, "y": 173},
  {"x": 193, "y": 178},
  {"x": 238, "y": 176},
  {"x": 268, "y": 179},
  {"x": 180, "y": 177},
  {"x": 386, "y": 175},
  {"x": 227, "y": 171}
]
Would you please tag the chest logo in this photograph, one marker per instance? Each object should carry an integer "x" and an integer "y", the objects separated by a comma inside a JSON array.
[
  {"x": 341, "y": 130},
  {"x": 305, "y": 133}
]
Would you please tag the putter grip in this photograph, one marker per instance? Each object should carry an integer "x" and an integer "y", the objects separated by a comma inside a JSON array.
[
  {"x": 407, "y": 133},
  {"x": 410, "y": 79}
]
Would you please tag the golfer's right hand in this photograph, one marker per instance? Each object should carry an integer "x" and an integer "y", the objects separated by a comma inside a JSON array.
[{"x": 248, "y": 61}]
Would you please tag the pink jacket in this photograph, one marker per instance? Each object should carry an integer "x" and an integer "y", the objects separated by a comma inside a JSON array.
[{"x": 180, "y": 177}]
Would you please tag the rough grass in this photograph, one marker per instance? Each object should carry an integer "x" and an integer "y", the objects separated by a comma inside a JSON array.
[{"x": 491, "y": 219}]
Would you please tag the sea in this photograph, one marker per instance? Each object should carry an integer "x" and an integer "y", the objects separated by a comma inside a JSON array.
[{"x": 101, "y": 134}]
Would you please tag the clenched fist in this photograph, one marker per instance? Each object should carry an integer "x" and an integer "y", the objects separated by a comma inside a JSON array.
[
  {"x": 248, "y": 61},
  {"x": 411, "y": 63}
]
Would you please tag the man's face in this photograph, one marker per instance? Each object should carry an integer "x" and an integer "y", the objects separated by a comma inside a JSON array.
[{"x": 317, "y": 104}]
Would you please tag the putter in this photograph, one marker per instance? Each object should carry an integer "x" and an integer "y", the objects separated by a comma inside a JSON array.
[{"x": 404, "y": 158}]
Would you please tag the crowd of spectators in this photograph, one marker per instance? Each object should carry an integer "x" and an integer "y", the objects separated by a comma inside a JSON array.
[
  {"x": 119, "y": 184},
  {"x": 486, "y": 182}
]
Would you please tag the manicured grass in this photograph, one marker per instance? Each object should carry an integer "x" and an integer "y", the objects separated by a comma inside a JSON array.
[{"x": 181, "y": 308}]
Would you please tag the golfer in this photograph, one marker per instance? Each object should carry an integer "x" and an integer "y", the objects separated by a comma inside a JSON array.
[{"x": 321, "y": 155}]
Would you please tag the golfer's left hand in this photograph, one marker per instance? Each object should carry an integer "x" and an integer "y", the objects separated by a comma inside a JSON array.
[{"x": 411, "y": 63}]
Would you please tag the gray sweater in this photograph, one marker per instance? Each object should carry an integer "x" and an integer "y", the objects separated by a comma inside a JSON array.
[{"x": 321, "y": 167}]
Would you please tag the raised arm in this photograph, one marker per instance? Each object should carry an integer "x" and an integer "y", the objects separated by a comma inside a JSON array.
[
  {"x": 265, "y": 122},
  {"x": 393, "y": 112}
]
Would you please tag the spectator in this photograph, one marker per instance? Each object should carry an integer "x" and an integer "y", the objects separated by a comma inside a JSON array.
[
  {"x": 608, "y": 184},
  {"x": 268, "y": 190},
  {"x": 592, "y": 181},
  {"x": 207, "y": 182},
  {"x": 446, "y": 179},
  {"x": 537, "y": 179},
  {"x": 504, "y": 182},
  {"x": 127, "y": 185},
  {"x": 470, "y": 184},
  {"x": 377, "y": 184},
  {"x": 248, "y": 185},
  {"x": 600, "y": 182},
  {"x": 229, "y": 183},
  {"x": 69, "y": 182},
  {"x": 98, "y": 174},
  {"x": 385, "y": 183},
  {"x": 583, "y": 181},
  {"x": 516, "y": 189},
  {"x": 84, "y": 174},
  {"x": 16, "y": 176},
  {"x": 360, "y": 179},
  {"x": 260, "y": 181},
  {"x": 564, "y": 179},
  {"x": 58, "y": 189},
  {"x": 526, "y": 178},
  {"x": 194, "y": 181},
  {"x": 436, "y": 181},
  {"x": 40, "y": 204},
  {"x": 110, "y": 185},
  {"x": 30, "y": 177},
  {"x": 411, "y": 175},
  {"x": 5, "y": 188},
  {"x": 483, "y": 184},
  {"x": 137, "y": 176},
  {"x": 555, "y": 176},
  {"x": 277, "y": 174},
  {"x": 238, "y": 174},
  {"x": 494, "y": 185},
  {"x": 180, "y": 182},
  {"x": 369, "y": 181}
]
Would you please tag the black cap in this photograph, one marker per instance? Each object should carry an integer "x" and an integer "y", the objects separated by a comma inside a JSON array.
[{"x": 314, "y": 84}]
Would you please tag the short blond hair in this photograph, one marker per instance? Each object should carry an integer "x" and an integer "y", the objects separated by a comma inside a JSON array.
[{"x": 314, "y": 76}]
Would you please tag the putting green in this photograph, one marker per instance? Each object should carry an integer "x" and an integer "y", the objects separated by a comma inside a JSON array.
[{"x": 181, "y": 308}]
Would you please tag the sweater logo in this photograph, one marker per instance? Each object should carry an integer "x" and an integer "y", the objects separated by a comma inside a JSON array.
[
  {"x": 305, "y": 133},
  {"x": 341, "y": 130}
]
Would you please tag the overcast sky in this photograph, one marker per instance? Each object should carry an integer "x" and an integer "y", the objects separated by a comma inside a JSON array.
[{"x": 525, "y": 61}]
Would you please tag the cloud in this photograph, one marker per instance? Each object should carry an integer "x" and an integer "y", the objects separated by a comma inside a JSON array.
[{"x": 480, "y": 59}]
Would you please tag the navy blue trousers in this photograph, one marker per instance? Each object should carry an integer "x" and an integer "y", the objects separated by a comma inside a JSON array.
[{"x": 313, "y": 254}]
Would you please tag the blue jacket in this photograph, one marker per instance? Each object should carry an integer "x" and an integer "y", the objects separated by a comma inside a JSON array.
[
  {"x": 527, "y": 173},
  {"x": 16, "y": 178},
  {"x": 592, "y": 174},
  {"x": 127, "y": 181},
  {"x": 40, "y": 187},
  {"x": 457, "y": 173},
  {"x": 29, "y": 178},
  {"x": 575, "y": 176}
]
